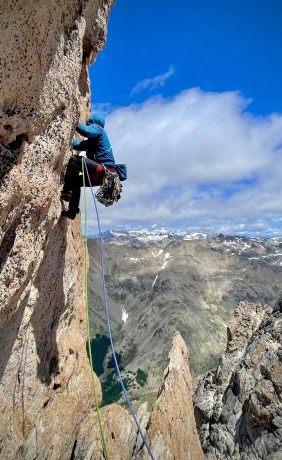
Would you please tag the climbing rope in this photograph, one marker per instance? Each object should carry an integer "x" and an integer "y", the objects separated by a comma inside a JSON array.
[
  {"x": 88, "y": 323},
  {"x": 107, "y": 311}
]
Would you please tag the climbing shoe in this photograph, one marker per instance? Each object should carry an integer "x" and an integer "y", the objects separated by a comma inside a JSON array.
[
  {"x": 70, "y": 214},
  {"x": 66, "y": 195}
]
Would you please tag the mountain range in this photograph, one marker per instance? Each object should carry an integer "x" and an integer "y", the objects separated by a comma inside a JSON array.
[{"x": 159, "y": 282}]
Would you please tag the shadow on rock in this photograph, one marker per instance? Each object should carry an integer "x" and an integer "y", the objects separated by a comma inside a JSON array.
[
  {"x": 8, "y": 336},
  {"x": 50, "y": 304}
]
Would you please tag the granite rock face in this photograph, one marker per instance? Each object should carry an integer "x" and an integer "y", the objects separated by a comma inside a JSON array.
[
  {"x": 42, "y": 79},
  {"x": 120, "y": 435},
  {"x": 171, "y": 431},
  {"x": 45, "y": 381},
  {"x": 238, "y": 407},
  {"x": 47, "y": 409}
]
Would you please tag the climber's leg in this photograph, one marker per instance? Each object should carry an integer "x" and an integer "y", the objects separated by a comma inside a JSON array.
[
  {"x": 71, "y": 177},
  {"x": 74, "y": 181},
  {"x": 73, "y": 204}
]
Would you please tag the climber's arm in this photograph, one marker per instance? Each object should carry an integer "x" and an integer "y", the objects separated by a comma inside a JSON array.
[
  {"x": 89, "y": 131},
  {"x": 79, "y": 145}
]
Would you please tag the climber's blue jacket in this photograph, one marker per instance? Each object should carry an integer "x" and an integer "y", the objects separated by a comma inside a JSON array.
[{"x": 97, "y": 144}]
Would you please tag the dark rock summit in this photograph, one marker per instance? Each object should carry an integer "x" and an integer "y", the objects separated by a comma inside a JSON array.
[{"x": 238, "y": 406}]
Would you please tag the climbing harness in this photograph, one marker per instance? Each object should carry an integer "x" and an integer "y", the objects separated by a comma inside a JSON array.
[
  {"x": 110, "y": 190},
  {"x": 107, "y": 313},
  {"x": 88, "y": 323}
]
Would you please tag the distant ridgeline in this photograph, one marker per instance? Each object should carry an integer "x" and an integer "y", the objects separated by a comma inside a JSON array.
[{"x": 185, "y": 282}]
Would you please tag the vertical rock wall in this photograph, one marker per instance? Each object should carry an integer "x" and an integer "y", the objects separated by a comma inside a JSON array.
[
  {"x": 239, "y": 405},
  {"x": 46, "y": 405},
  {"x": 45, "y": 386},
  {"x": 171, "y": 431}
]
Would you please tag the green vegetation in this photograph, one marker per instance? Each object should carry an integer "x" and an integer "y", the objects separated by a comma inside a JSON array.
[
  {"x": 111, "y": 362},
  {"x": 99, "y": 348},
  {"x": 111, "y": 389},
  {"x": 141, "y": 377}
]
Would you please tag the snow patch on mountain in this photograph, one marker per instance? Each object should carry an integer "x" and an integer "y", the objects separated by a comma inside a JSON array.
[
  {"x": 160, "y": 237},
  {"x": 154, "y": 282},
  {"x": 195, "y": 236},
  {"x": 228, "y": 243},
  {"x": 166, "y": 257},
  {"x": 158, "y": 254},
  {"x": 152, "y": 238},
  {"x": 124, "y": 314},
  {"x": 165, "y": 262}
]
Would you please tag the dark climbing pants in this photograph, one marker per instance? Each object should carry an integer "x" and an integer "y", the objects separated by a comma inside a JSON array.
[{"x": 74, "y": 180}]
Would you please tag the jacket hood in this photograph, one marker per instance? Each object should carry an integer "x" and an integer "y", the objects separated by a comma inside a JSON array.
[{"x": 96, "y": 118}]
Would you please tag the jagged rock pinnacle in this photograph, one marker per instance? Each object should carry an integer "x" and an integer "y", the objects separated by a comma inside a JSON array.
[
  {"x": 238, "y": 406},
  {"x": 171, "y": 430}
]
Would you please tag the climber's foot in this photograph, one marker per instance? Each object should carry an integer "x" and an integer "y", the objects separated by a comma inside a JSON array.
[
  {"x": 69, "y": 214},
  {"x": 66, "y": 195}
]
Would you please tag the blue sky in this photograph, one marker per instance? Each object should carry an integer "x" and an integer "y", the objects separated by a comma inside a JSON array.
[{"x": 193, "y": 97}]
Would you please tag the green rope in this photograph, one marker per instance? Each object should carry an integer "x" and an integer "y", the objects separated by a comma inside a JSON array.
[{"x": 87, "y": 321}]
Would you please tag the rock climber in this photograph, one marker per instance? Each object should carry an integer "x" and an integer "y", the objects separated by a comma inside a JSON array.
[{"x": 99, "y": 162}]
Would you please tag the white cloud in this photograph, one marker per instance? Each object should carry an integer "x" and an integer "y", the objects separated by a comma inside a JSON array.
[
  {"x": 198, "y": 158},
  {"x": 153, "y": 83}
]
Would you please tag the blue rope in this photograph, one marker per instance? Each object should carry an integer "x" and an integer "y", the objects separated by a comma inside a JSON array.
[
  {"x": 106, "y": 455},
  {"x": 108, "y": 320}
]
